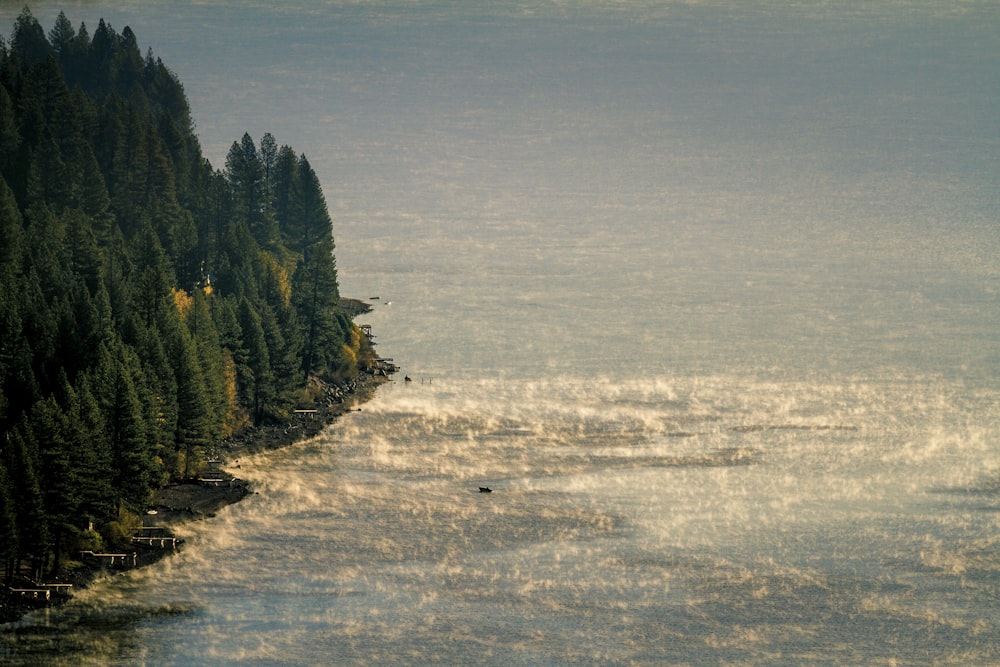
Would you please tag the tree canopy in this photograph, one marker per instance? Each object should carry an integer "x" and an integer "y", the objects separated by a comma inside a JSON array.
[{"x": 150, "y": 304}]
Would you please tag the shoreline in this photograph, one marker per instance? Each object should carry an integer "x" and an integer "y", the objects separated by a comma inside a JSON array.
[
  {"x": 190, "y": 500},
  {"x": 194, "y": 500}
]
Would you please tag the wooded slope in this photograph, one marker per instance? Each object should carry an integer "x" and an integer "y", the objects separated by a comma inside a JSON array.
[{"x": 150, "y": 304}]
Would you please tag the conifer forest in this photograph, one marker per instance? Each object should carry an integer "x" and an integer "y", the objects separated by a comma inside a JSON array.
[{"x": 151, "y": 305}]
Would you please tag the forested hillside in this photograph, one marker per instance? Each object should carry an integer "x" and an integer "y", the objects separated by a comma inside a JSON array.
[{"x": 150, "y": 303}]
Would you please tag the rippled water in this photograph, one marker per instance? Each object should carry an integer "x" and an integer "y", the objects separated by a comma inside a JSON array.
[
  {"x": 696, "y": 520},
  {"x": 707, "y": 293}
]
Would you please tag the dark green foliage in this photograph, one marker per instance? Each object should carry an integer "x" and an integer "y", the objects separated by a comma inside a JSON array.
[
  {"x": 20, "y": 457},
  {"x": 150, "y": 304},
  {"x": 29, "y": 44},
  {"x": 255, "y": 376},
  {"x": 8, "y": 525}
]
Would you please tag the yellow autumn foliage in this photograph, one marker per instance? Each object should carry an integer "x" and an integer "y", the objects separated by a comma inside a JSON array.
[
  {"x": 355, "y": 334},
  {"x": 280, "y": 276},
  {"x": 236, "y": 416},
  {"x": 352, "y": 348},
  {"x": 182, "y": 301},
  {"x": 350, "y": 356}
]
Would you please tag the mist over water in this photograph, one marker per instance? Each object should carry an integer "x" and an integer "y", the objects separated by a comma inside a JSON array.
[{"x": 707, "y": 293}]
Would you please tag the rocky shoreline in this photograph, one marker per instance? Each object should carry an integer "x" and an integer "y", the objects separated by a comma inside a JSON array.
[
  {"x": 197, "y": 499},
  {"x": 192, "y": 499}
]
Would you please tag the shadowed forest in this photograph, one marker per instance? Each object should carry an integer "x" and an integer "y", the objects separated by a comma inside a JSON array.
[{"x": 151, "y": 304}]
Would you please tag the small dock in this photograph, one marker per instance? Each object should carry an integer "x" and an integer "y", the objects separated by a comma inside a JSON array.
[
  {"x": 381, "y": 365},
  {"x": 117, "y": 561},
  {"x": 34, "y": 595},
  {"x": 58, "y": 590},
  {"x": 156, "y": 537}
]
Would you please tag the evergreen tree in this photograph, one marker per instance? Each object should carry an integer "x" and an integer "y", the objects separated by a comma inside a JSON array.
[
  {"x": 245, "y": 173},
  {"x": 49, "y": 429},
  {"x": 9, "y": 135},
  {"x": 233, "y": 359},
  {"x": 268, "y": 161},
  {"x": 129, "y": 168},
  {"x": 61, "y": 36},
  {"x": 255, "y": 375},
  {"x": 152, "y": 280},
  {"x": 11, "y": 230},
  {"x": 157, "y": 388},
  {"x": 8, "y": 526},
  {"x": 315, "y": 281},
  {"x": 210, "y": 359},
  {"x": 20, "y": 457},
  {"x": 195, "y": 428},
  {"x": 90, "y": 193},
  {"x": 116, "y": 378},
  {"x": 19, "y": 326},
  {"x": 18, "y": 388},
  {"x": 284, "y": 190},
  {"x": 85, "y": 256},
  {"x": 28, "y": 43},
  {"x": 91, "y": 467},
  {"x": 150, "y": 304}
]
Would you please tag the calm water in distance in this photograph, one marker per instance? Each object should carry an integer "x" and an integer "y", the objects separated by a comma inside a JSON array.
[{"x": 707, "y": 292}]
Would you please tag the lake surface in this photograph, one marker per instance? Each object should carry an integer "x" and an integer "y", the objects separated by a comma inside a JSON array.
[{"x": 708, "y": 293}]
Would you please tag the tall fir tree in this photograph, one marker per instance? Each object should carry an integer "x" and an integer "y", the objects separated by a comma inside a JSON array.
[{"x": 150, "y": 304}]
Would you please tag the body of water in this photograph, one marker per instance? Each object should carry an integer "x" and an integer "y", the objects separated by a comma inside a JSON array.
[{"x": 708, "y": 293}]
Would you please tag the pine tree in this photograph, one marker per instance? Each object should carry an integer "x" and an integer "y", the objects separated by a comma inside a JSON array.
[
  {"x": 284, "y": 190},
  {"x": 149, "y": 303},
  {"x": 61, "y": 38},
  {"x": 11, "y": 230},
  {"x": 246, "y": 176},
  {"x": 194, "y": 431},
  {"x": 115, "y": 380},
  {"x": 20, "y": 457},
  {"x": 91, "y": 450},
  {"x": 18, "y": 388},
  {"x": 18, "y": 384},
  {"x": 210, "y": 359},
  {"x": 8, "y": 526},
  {"x": 151, "y": 282},
  {"x": 28, "y": 43},
  {"x": 10, "y": 138},
  {"x": 85, "y": 256},
  {"x": 129, "y": 66},
  {"x": 90, "y": 193},
  {"x": 315, "y": 285},
  {"x": 268, "y": 161},
  {"x": 157, "y": 388},
  {"x": 129, "y": 168},
  {"x": 255, "y": 375},
  {"x": 234, "y": 358},
  {"x": 49, "y": 429}
]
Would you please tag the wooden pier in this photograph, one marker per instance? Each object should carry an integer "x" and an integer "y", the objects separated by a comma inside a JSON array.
[
  {"x": 157, "y": 542},
  {"x": 32, "y": 594},
  {"x": 156, "y": 537},
  {"x": 112, "y": 560},
  {"x": 58, "y": 590}
]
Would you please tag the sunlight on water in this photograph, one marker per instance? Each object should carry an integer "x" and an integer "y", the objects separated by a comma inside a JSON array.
[
  {"x": 651, "y": 522},
  {"x": 706, "y": 293}
]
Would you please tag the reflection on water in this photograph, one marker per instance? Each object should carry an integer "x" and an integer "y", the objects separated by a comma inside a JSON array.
[{"x": 823, "y": 524}]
